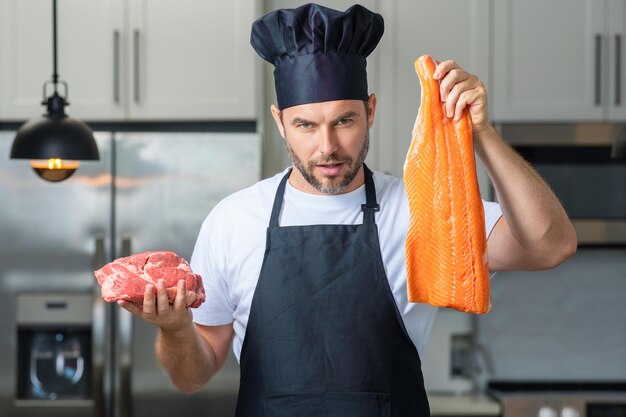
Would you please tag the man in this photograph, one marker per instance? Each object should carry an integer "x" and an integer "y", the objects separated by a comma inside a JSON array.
[{"x": 309, "y": 265}]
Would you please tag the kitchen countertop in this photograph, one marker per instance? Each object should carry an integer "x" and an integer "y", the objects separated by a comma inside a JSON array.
[{"x": 463, "y": 405}]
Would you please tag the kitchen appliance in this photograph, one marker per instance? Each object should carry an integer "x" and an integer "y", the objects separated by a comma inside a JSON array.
[
  {"x": 54, "y": 347},
  {"x": 586, "y": 168},
  {"x": 560, "y": 399},
  {"x": 64, "y": 351}
]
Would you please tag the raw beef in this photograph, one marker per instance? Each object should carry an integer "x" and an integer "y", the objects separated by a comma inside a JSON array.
[{"x": 126, "y": 278}]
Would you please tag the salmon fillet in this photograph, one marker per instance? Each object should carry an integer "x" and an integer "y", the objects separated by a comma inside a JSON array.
[{"x": 446, "y": 246}]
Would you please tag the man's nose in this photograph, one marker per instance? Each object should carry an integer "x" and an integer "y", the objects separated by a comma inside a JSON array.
[{"x": 328, "y": 141}]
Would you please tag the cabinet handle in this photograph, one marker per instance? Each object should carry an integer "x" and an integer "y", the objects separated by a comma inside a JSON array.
[
  {"x": 598, "y": 80},
  {"x": 136, "y": 64},
  {"x": 618, "y": 69},
  {"x": 116, "y": 66}
]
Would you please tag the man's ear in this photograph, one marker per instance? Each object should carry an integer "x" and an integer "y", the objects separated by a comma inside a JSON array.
[
  {"x": 371, "y": 109},
  {"x": 276, "y": 114}
]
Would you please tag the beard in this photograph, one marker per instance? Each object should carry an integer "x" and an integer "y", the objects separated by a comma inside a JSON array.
[{"x": 335, "y": 184}]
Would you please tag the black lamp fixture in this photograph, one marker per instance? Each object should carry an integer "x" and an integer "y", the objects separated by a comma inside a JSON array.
[{"x": 55, "y": 142}]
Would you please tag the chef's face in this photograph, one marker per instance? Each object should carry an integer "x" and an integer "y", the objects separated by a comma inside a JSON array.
[{"x": 327, "y": 143}]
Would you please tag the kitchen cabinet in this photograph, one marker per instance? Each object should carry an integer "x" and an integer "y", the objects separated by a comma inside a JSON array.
[
  {"x": 446, "y": 29},
  {"x": 131, "y": 59},
  {"x": 559, "y": 60}
]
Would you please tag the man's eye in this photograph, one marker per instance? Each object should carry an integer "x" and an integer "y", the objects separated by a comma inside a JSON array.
[
  {"x": 343, "y": 121},
  {"x": 304, "y": 125}
]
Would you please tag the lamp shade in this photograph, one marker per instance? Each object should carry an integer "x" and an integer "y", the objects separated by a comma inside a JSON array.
[{"x": 50, "y": 137}]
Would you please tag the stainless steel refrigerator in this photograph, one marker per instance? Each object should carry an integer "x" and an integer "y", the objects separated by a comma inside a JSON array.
[{"x": 63, "y": 351}]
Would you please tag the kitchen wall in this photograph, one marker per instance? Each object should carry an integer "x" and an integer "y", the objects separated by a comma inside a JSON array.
[{"x": 567, "y": 323}]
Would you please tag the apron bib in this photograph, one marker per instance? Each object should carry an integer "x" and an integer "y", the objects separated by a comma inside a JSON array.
[{"x": 325, "y": 337}]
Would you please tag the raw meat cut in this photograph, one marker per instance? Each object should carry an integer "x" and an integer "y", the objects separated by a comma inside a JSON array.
[
  {"x": 126, "y": 278},
  {"x": 446, "y": 247}
]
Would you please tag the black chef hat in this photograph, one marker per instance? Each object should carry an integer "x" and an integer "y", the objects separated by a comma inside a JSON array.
[{"x": 318, "y": 53}]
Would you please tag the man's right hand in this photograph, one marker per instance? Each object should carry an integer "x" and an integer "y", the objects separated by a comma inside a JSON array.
[
  {"x": 191, "y": 354},
  {"x": 158, "y": 311}
]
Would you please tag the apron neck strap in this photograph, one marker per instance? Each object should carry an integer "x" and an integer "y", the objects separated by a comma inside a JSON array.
[
  {"x": 371, "y": 205},
  {"x": 369, "y": 208},
  {"x": 278, "y": 200}
]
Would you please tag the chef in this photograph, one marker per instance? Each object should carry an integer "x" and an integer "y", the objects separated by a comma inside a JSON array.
[{"x": 304, "y": 272}]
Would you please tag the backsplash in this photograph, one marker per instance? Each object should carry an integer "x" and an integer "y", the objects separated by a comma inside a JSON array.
[{"x": 568, "y": 323}]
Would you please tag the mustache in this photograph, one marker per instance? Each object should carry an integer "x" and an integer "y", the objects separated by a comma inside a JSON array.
[{"x": 330, "y": 159}]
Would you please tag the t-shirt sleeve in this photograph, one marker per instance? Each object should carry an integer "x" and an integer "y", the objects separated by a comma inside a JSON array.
[
  {"x": 216, "y": 310},
  {"x": 493, "y": 212}
]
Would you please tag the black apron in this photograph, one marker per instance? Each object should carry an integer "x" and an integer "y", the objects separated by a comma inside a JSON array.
[{"x": 325, "y": 337}]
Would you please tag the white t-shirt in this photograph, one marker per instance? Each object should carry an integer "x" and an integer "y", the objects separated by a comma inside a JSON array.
[{"x": 231, "y": 244}]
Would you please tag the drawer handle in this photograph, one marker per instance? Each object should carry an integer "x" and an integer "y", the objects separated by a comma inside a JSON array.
[
  {"x": 598, "y": 69},
  {"x": 116, "y": 66},
  {"x": 618, "y": 69},
  {"x": 136, "y": 64}
]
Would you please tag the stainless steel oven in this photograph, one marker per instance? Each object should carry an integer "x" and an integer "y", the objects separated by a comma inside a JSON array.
[
  {"x": 560, "y": 399},
  {"x": 580, "y": 163}
]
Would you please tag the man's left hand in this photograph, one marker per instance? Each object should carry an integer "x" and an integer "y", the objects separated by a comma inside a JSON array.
[{"x": 460, "y": 89}]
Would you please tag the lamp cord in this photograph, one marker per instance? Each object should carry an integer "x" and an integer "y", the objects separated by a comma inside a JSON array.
[{"x": 55, "y": 76}]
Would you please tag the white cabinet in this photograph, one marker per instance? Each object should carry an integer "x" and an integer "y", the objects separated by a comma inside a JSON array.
[
  {"x": 560, "y": 60},
  {"x": 131, "y": 59},
  {"x": 191, "y": 59},
  {"x": 85, "y": 56},
  {"x": 446, "y": 29}
]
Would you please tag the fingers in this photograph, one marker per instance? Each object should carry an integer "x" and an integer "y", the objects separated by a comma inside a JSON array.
[
  {"x": 181, "y": 295},
  {"x": 157, "y": 309},
  {"x": 149, "y": 304},
  {"x": 451, "y": 80},
  {"x": 443, "y": 68},
  {"x": 465, "y": 99},
  {"x": 155, "y": 301},
  {"x": 460, "y": 89},
  {"x": 452, "y": 100},
  {"x": 130, "y": 307},
  {"x": 163, "y": 304}
]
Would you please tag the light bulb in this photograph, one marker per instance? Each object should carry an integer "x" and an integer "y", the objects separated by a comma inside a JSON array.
[{"x": 54, "y": 169}]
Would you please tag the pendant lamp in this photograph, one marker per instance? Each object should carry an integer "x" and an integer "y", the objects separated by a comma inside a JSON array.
[{"x": 55, "y": 142}]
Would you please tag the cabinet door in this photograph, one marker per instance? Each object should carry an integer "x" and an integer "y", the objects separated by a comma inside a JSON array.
[
  {"x": 616, "y": 33},
  {"x": 446, "y": 29},
  {"x": 549, "y": 60},
  {"x": 191, "y": 59},
  {"x": 85, "y": 46}
]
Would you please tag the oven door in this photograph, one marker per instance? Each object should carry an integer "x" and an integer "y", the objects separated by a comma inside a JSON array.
[{"x": 590, "y": 184}]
